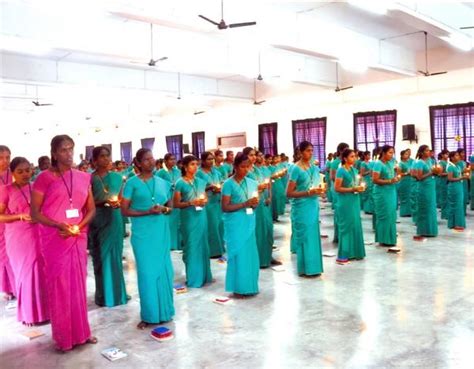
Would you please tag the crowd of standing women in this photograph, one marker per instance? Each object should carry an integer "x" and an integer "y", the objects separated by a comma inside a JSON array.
[{"x": 207, "y": 208}]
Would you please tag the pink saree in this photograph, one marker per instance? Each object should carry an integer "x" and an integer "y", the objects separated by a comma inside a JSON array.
[
  {"x": 22, "y": 246},
  {"x": 7, "y": 280},
  {"x": 65, "y": 258}
]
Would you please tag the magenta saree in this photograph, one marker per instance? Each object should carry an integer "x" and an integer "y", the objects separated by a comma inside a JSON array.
[
  {"x": 65, "y": 258},
  {"x": 23, "y": 250},
  {"x": 7, "y": 280}
]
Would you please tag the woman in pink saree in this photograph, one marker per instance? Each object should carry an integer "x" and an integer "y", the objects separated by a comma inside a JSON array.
[
  {"x": 7, "y": 281},
  {"x": 62, "y": 202},
  {"x": 22, "y": 245}
]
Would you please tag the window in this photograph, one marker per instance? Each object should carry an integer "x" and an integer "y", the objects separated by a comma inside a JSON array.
[
  {"x": 198, "y": 143},
  {"x": 314, "y": 131},
  {"x": 126, "y": 152},
  {"x": 174, "y": 145},
  {"x": 89, "y": 150},
  {"x": 148, "y": 143},
  {"x": 452, "y": 127},
  {"x": 374, "y": 129},
  {"x": 267, "y": 138}
]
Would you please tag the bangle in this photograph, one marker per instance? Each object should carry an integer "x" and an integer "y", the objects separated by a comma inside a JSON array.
[{"x": 21, "y": 218}]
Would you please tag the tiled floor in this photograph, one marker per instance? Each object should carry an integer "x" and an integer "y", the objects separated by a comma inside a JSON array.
[{"x": 414, "y": 309}]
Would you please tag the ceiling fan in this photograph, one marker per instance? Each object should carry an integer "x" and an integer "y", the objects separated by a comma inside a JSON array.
[
  {"x": 36, "y": 102},
  {"x": 222, "y": 24},
  {"x": 467, "y": 27},
  {"x": 152, "y": 62},
  {"x": 338, "y": 89},
  {"x": 426, "y": 72},
  {"x": 255, "y": 101},
  {"x": 259, "y": 77}
]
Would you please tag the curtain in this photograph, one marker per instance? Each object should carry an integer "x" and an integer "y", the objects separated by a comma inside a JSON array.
[
  {"x": 174, "y": 145},
  {"x": 267, "y": 138},
  {"x": 148, "y": 143},
  {"x": 314, "y": 131},
  {"x": 374, "y": 129},
  {"x": 89, "y": 150},
  {"x": 452, "y": 127},
  {"x": 198, "y": 140},
  {"x": 126, "y": 152}
]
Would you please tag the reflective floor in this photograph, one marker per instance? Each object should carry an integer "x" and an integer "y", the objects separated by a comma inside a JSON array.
[{"x": 409, "y": 310}]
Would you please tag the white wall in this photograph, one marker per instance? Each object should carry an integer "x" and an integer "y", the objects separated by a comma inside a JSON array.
[{"x": 411, "y": 97}]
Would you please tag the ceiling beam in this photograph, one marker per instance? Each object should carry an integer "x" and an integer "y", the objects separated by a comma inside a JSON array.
[{"x": 37, "y": 70}]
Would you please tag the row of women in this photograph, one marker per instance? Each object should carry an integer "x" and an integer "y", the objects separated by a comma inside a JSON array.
[
  {"x": 417, "y": 187},
  {"x": 49, "y": 224},
  {"x": 206, "y": 211}
]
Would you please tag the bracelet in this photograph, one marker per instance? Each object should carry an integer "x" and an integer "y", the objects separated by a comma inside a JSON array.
[{"x": 21, "y": 218}]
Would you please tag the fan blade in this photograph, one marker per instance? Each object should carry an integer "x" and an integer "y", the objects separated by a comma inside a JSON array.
[
  {"x": 467, "y": 27},
  {"x": 428, "y": 74},
  {"x": 37, "y": 103},
  {"x": 436, "y": 73},
  {"x": 235, "y": 25},
  {"x": 259, "y": 102},
  {"x": 343, "y": 88},
  {"x": 207, "y": 19},
  {"x": 152, "y": 62}
]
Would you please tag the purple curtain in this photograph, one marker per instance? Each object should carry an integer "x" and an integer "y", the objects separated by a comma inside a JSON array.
[
  {"x": 452, "y": 127},
  {"x": 198, "y": 139},
  {"x": 267, "y": 138},
  {"x": 148, "y": 143},
  {"x": 374, "y": 129},
  {"x": 174, "y": 145},
  {"x": 126, "y": 152},
  {"x": 314, "y": 131},
  {"x": 89, "y": 150}
]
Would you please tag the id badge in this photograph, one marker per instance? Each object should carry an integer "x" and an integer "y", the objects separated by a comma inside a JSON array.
[
  {"x": 72, "y": 213},
  {"x": 249, "y": 211},
  {"x": 198, "y": 208}
]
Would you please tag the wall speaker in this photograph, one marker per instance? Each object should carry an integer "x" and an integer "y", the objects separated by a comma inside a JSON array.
[
  {"x": 186, "y": 148},
  {"x": 409, "y": 132}
]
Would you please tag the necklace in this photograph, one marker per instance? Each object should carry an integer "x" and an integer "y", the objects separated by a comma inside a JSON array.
[
  {"x": 105, "y": 188},
  {"x": 23, "y": 194}
]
